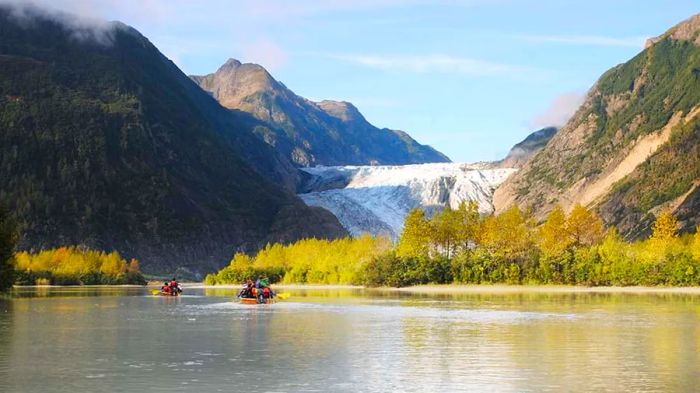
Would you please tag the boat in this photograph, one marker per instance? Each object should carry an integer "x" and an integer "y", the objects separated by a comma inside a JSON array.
[
  {"x": 158, "y": 292},
  {"x": 252, "y": 300}
]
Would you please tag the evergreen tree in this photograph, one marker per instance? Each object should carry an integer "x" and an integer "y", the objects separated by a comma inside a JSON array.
[{"x": 8, "y": 239}]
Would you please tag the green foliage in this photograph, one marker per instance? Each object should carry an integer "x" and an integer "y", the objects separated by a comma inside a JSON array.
[
  {"x": 311, "y": 261},
  {"x": 76, "y": 266},
  {"x": 8, "y": 238}
]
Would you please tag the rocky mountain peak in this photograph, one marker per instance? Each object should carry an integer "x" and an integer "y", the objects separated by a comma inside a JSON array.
[{"x": 687, "y": 30}]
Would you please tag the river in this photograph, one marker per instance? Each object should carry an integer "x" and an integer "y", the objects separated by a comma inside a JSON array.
[{"x": 347, "y": 340}]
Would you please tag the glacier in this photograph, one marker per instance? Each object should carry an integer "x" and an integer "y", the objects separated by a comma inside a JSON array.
[{"x": 376, "y": 199}]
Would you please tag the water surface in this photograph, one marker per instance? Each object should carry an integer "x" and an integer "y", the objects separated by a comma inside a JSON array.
[{"x": 347, "y": 340}]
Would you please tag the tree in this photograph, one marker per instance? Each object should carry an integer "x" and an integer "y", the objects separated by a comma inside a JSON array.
[
  {"x": 444, "y": 231},
  {"x": 8, "y": 240},
  {"x": 695, "y": 246},
  {"x": 468, "y": 225},
  {"x": 665, "y": 228},
  {"x": 415, "y": 238},
  {"x": 508, "y": 234},
  {"x": 554, "y": 239},
  {"x": 584, "y": 227}
]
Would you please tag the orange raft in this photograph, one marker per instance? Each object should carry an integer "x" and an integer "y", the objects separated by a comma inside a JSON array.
[{"x": 252, "y": 300}]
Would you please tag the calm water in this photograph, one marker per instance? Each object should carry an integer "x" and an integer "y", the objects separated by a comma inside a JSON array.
[{"x": 122, "y": 340}]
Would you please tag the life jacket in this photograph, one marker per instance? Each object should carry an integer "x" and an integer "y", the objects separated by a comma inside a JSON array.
[
  {"x": 266, "y": 292},
  {"x": 254, "y": 291},
  {"x": 165, "y": 289}
]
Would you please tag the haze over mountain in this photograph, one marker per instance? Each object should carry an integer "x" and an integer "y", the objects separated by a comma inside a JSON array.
[
  {"x": 311, "y": 133},
  {"x": 105, "y": 143},
  {"x": 633, "y": 148}
]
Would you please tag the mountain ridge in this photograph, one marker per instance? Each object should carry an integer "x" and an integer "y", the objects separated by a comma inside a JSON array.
[
  {"x": 628, "y": 150},
  {"x": 310, "y": 133},
  {"x": 109, "y": 145}
]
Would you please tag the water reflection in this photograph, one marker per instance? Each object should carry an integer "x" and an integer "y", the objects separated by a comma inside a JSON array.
[{"x": 109, "y": 339}]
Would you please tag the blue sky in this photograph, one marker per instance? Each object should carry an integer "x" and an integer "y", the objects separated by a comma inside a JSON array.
[{"x": 470, "y": 78}]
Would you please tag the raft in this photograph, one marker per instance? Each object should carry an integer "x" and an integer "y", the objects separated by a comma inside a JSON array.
[{"x": 252, "y": 300}]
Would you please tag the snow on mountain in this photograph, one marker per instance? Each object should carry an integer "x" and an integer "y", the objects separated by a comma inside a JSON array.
[{"x": 376, "y": 199}]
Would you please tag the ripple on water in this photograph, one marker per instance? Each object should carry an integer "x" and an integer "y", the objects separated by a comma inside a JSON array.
[{"x": 387, "y": 311}]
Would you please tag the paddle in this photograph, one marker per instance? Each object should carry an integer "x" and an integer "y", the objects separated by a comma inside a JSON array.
[
  {"x": 283, "y": 296},
  {"x": 155, "y": 292}
]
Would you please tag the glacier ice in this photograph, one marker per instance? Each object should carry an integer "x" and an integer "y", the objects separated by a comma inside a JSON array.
[{"x": 376, "y": 199}]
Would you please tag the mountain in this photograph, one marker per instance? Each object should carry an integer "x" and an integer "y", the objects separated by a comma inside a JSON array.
[
  {"x": 376, "y": 199},
  {"x": 310, "y": 133},
  {"x": 105, "y": 143},
  {"x": 632, "y": 149},
  {"x": 527, "y": 148}
]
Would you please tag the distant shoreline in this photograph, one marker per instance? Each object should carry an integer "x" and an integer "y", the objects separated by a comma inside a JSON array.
[
  {"x": 497, "y": 288},
  {"x": 443, "y": 289},
  {"x": 435, "y": 289}
]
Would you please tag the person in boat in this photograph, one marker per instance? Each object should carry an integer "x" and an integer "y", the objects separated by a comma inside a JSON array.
[
  {"x": 247, "y": 291},
  {"x": 174, "y": 287},
  {"x": 165, "y": 289},
  {"x": 264, "y": 292}
]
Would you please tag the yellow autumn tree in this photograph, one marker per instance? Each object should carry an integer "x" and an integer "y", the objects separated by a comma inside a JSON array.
[
  {"x": 553, "y": 236},
  {"x": 468, "y": 225},
  {"x": 507, "y": 234},
  {"x": 665, "y": 228},
  {"x": 415, "y": 238},
  {"x": 584, "y": 227},
  {"x": 444, "y": 228}
]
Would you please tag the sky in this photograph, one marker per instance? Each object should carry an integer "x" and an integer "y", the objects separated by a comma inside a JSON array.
[{"x": 470, "y": 78}]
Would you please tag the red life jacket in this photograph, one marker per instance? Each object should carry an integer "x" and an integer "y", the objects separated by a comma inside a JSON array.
[
  {"x": 165, "y": 289},
  {"x": 266, "y": 292}
]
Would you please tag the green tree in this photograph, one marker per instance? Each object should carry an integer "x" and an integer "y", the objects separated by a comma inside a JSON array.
[
  {"x": 8, "y": 239},
  {"x": 415, "y": 238}
]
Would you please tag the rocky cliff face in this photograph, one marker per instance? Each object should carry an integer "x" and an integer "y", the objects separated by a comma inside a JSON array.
[
  {"x": 523, "y": 151},
  {"x": 376, "y": 199},
  {"x": 106, "y": 144},
  {"x": 631, "y": 149},
  {"x": 309, "y": 133}
]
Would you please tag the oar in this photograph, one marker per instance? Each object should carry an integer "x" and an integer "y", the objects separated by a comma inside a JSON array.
[
  {"x": 155, "y": 292},
  {"x": 283, "y": 296}
]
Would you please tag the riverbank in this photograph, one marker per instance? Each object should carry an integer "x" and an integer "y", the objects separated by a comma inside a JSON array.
[
  {"x": 444, "y": 289},
  {"x": 497, "y": 288}
]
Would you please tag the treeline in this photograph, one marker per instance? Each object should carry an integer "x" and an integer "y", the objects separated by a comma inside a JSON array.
[
  {"x": 75, "y": 266},
  {"x": 461, "y": 246},
  {"x": 311, "y": 261}
]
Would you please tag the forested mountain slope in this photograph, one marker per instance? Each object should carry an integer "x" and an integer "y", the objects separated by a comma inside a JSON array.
[
  {"x": 105, "y": 143},
  {"x": 633, "y": 148}
]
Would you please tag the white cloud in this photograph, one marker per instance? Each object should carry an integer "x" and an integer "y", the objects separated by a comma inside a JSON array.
[
  {"x": 634, "y": 42},
  {"x": 559, "y": 111},
  {"x": 429, "y": 63}
]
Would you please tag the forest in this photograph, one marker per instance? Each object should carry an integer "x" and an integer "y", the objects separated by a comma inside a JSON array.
[
  {"x": 461, "y": 246},
  {"x": 75, "y": 266}
]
